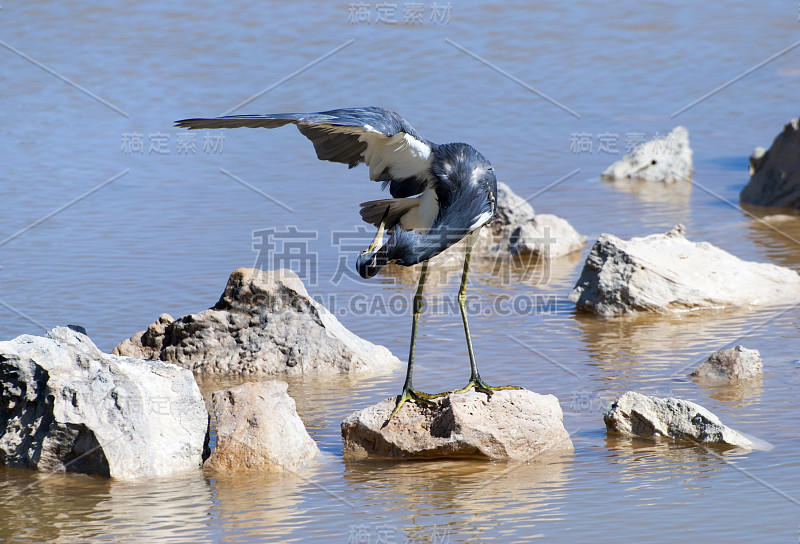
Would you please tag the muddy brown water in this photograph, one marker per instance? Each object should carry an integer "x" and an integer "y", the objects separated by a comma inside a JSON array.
[{"x": 166, "y": 233}]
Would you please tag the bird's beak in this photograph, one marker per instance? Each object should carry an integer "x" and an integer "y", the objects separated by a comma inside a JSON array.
[{"x": 366, "y": 264}]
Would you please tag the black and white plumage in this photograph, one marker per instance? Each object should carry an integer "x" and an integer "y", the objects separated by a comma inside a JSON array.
[{"x": 440, "y": 193}]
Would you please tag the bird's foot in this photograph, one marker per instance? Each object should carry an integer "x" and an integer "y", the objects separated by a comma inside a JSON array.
[
  {"x": 482, "y": 387},
  {"x": 411, "y": 394}
]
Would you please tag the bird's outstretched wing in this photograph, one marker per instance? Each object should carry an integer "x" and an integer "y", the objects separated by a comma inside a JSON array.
[{"x": 394, "y": 152}]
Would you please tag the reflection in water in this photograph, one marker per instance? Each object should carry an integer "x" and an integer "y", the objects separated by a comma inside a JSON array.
[
  {"x": 680, "y": 341},
  {"x": 32, "y": 506},
  {"x": 258, "y": 506},
  {"x": 77, "y": 508},
  {"x": 676, "y": 194},
  {"x": 474, "y": 499},
  {"x": 778, "y": 233},
  {"x": 653, "y": 463},
  {"x": 660, "y": 339},
  {"x": 532, "y": 270},
  {"x": 639, "y": 351},
  {"x": 737, "y": 394}
]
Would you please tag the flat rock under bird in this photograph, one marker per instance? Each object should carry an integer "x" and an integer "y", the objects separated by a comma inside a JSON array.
[{"x": 440, "y": 195}]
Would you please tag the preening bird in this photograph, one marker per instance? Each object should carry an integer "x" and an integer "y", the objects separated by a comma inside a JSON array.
[{"x": 440, "y": 195}]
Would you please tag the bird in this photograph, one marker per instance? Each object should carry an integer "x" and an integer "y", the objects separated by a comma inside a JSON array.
[{"x": 441, "y": 194}]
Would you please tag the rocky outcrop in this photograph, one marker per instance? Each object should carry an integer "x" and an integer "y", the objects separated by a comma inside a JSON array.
[
  {"x": 546, "y": 235},
  {"x": 635, "y": 414},
  {"x": 668, "y": 273},
  {"x": 516, "y": 425},
  {"x": 68, "y": 407},
  {"x": 512, "y": 210},
  {"x": 775, "y": 173},
  {"x": 258, "y": 429},
  {"x": 730, "y": 366},
  {"x": 264, "y": 323},
  {"x": 666, "y": 160},
  {"x": 517, "y": 230}
]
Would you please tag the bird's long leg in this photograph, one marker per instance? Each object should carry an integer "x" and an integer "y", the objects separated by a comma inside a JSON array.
[
  {"x": 475, "y": 377},
  {"x": 409, "y": 393}
]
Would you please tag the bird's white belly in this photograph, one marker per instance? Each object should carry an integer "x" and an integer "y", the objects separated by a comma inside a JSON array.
[{"x": 421, "y": 217}]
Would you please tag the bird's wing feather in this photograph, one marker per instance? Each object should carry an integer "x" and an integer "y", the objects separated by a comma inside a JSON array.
[{"x": 392, "y": 149}]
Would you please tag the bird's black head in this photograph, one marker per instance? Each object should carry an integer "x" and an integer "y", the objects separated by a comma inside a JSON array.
[
  {"x": 403, "y": 247},
  {"x": 367, "y": 263}
]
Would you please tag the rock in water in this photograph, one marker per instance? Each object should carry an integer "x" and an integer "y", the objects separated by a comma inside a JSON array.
[
  {"x": 265, "y": 323},
  {"x": 775, "y": 173},
  {"x": 258, "y": 429},
  {"x": 547, "y": 235},
  {"x": 730, "y": 365},
  {"x": 512, "y": 209},
  {"x": 516, "y": 425},
  {"x": 668, "y": 273},
  {"x": 516, "y": 230},
  {"x": 68, "y": 407},
  {"x": 664, "y": 160},
  {"x": 634, "y": 414}
]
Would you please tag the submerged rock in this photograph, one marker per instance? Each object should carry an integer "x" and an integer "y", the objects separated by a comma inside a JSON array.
[
  {"x": 664, "y": 160},
  {"x": 635, "y": 414},
  {"x": 265, "y": 322},
  {"x": 516, "y": 425},
  {"x": 258, "y": 429},
  {"x": 775, "y": 173},
  {"x": 68, "y": 407},
  {"x": 668, "y": 273},
  {"x": 730, "y": 365}
]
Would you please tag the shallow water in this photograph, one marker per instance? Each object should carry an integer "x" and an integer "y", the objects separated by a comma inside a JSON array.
[{"x": 165, "y": 235}]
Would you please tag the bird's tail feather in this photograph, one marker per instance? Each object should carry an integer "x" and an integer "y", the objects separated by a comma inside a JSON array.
[{"x": 372, "y": 212}]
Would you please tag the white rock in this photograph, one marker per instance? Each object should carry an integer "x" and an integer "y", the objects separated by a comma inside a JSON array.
[
  {"x": 515, "y": 230},
  {"x": 258, "y": 429},
  {"x": 68, "y": 407},
  {"x": 635, "y": 414},
  {"x": 667, "y": 273},
  {"x": 514, "y": 425},
  {"x": 775, "y": 173},
  {"x": 730, "y": 365},
  {"x": 547, "y": 235},
  {"x": 265, "y": 323},
  {"x": 663, "y": 160},
  {"x": 512, "y": 209}
]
